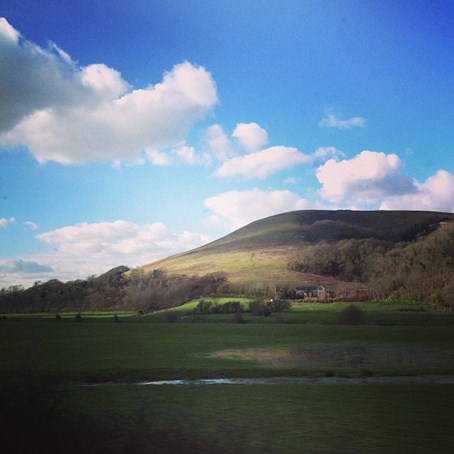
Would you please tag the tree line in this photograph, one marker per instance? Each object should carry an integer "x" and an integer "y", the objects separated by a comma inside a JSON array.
[
  {"x": 421, "y": 270},
  {"x": 119, "y": 288}
]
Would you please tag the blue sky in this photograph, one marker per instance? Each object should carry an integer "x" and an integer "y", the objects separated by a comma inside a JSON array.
[{"x": 130, "y": 131}]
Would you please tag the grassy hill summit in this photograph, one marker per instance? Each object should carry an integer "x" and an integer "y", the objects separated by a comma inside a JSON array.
[
  {"x": 312, "y": 226},
  {"x": 331, "y": 248}
]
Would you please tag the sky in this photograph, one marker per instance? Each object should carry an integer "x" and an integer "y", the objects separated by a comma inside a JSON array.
[{"x": 131, "y": 131}]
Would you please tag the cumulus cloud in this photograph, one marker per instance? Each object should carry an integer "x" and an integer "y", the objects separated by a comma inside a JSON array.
[
  {"x": 234, "y": 209},
  {"x": 68, "y": 114},
  {"x": 261, "y": 164},
  {"x": 331, "y": 121},
  {"x": 434, "y": 194},
  {"x": 23, "y": 267},
  {"x": 120, "y": 238},
  {"x": 181, "y": 155},
  {"x": 251, "y": 136},
  {"x": 7, "y": 32},
  {"x": 242, "y": 154},
  {"x": 365, "y": 178},
  {"x": 324, "y": 152},
  {"x": 6, "y": 222},
  {"x": 218, "y": 143},
  {"x": 78, "y": 251}
]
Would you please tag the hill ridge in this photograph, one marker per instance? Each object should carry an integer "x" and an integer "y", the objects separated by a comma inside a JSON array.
[
  {"x": 331, "y": 225},
  {"x": 266, "y": 250}
]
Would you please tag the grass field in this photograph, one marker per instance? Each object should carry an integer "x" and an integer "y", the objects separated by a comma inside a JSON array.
[
  {"x": 285, "y": 418},
  {"x": 396, "y": 339},
  {"x": 69, "y": 315}
]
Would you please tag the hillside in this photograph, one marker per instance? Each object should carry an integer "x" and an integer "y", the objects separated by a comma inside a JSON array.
[
  {"x": 278, "y": 250},
  {"x": 354, "y": 254}
]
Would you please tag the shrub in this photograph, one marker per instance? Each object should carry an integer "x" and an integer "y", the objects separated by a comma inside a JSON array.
[
  {"x": 280, "y": 305},
  {"x": 204, "y": 307},
  {"x": 352, "y": 315},
  {"x": 238, "y": 317},
  {"x": 259, "y": 308}
]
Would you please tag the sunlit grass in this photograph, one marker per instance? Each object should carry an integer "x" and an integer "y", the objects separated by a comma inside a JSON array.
[{"x": 69, "y": 314}]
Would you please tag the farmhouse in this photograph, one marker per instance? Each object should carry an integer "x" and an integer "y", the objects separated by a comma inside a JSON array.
[{"x": 317, "y": 292}]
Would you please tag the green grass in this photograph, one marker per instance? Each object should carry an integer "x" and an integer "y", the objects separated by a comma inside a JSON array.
[
  {"x": 227, "y": 418},
  {"x": 284, "y": 418},
  {"x": 380, "y": 313},
  {"x": 69, "y": 314},
  {"x": 99, "y": 349}
]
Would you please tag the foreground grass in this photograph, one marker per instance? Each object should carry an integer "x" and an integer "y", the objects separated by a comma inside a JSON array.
[
  {"x": 41, "y": 361},
  {"x": 277, "y": 419},
  {"x": 270, "y": 419}
]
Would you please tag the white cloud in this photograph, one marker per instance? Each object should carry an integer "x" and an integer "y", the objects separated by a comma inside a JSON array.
[
  {"x": 244, "y": 157},
  {"x": 331, "y": 121},
  {"x": 70, "y": 115},
  {"x": 7, "y": 32},
  {"x": 261, "y": 164},
  {"x": 323, "y": 152},
  {"x": 218, "y": 144},
  {"x": 367, "y": 177},
  {"x": 6, "y": 222},
  {"x": 103, "y": 80},
  {"x": 250, "y": 136},
  {"x": 119, "y": 237},
  {"x": 93, "y": 248},
  {"x": 181, "y": 155},
  {"x": 435, "y": 194},
  {"x": 31, "y": 225},
  {"x": 234, "y": 209},
  {"x": 24, "y": 271}
]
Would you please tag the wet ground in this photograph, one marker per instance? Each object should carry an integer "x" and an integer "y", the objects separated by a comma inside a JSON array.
[{"x": 348, "y": 357}]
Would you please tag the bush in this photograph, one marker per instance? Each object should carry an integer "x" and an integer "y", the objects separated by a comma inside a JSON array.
[
  {"x": 280, "y": 305},
  {"x": 352, "y": 315},
  {"x": 204, "y": 307},
  {"x": 238, "y": 316},
  {"x": 259, "y": 308}
]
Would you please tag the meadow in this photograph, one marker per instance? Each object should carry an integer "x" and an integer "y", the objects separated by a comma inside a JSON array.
[{"x": 50, "y": 357}]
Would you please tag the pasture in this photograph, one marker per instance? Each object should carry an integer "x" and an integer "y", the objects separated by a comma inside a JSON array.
[{"x": 56, "y": 357}]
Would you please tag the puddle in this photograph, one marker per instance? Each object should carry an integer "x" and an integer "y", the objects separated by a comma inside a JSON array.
[
  {"x": 347, "y": 356},
  {"x": 439, "y": 379}
]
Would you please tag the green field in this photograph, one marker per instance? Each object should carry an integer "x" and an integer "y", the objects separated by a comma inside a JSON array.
[{"x": 46, "y": 360}]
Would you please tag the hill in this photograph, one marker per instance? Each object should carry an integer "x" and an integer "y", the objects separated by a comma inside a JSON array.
[
  {"x": 353, "y": 254},
  {"x": 307, "y": 247}
]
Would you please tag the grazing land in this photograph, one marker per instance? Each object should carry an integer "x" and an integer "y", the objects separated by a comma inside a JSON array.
[{"x": 53, "y": 358}]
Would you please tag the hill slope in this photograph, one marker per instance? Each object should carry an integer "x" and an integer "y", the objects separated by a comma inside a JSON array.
[{"x": 278, "y": 250}]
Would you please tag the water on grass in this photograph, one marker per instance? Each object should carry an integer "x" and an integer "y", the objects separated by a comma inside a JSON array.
[{"x": 446, "y": 379}]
